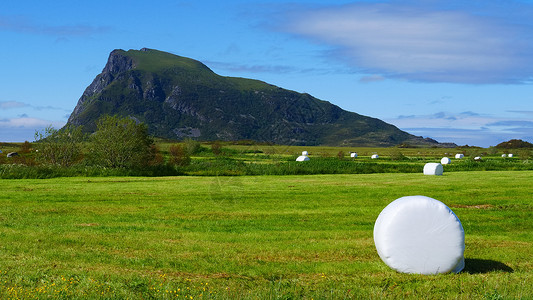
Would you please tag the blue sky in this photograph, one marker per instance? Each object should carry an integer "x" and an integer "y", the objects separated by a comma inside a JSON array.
[{"x": 455, "y": 71}]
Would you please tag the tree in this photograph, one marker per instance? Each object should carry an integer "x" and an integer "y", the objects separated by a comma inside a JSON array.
[
  {"x": 179, "y": 156},
  {"x": 121, "y": 143},
  {"x": 60, "y": 147}
]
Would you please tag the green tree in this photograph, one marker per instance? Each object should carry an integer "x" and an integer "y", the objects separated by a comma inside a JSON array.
[
  {"x": 121, "y": 143},
  {"x": 59, "y": 147}
]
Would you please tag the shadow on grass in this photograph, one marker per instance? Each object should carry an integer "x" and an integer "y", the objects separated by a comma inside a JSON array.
[{"x": 480, "y": 266}]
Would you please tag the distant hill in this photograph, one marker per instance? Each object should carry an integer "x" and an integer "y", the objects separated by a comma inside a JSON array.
[
  {"x": 179, "y": 97},
  {"x": 514, "y": 144}
]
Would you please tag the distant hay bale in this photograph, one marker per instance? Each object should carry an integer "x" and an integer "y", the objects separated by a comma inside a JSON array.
[
  {"x": 353, "y": 154},
  {"x": 304, "y": 153},
  {"x": 420, "y": 235},
  {"x": 510, "y": 155},
  {"x": 504, "y": 155},
  {"x": 374, "y": 156},
  {"x": 477, "y": 158},
  {"x": 302, "y": 158},
  {"x": 433, "y": 169},
  {"x": 445, "y": 161},
  {"x": 459, "y": 155}
]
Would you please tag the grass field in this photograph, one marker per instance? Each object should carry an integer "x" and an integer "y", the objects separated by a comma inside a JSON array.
[{"x": 253, "y": 237}]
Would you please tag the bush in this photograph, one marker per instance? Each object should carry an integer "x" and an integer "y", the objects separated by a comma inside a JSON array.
[
  {"x": 59, "y": 147},
  {"x": 216, "y": 148},
  {"x": 179, "y": 156},
  {"x": 192, "y": 147},
  {"x": 121, "y": 143}
]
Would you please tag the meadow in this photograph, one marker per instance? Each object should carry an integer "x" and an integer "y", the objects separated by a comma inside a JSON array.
[{"x": 253, "y": 237}]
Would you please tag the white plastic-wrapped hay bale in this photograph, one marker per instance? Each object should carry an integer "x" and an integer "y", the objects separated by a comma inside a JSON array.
[
  {"x": 302, "y": 158},
  {"x": 459, "y": 155},
  {"x": 504, "y": 155},
  {"x": 305, "y": 153},
  {"x": 353, "y": 154},
  {"x": 445, "y": 161},
  {"x": 477, "y": 158},
  {"x": 510, "y": 155},
  {"x": 420, "y": 235},
  {"x": 433, "y": 169},
  {"x": 374, "y": 156}
]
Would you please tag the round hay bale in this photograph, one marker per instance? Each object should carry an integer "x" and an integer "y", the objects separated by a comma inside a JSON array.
[
  {"x": 353, "y": 154},
  {"x": 304, "y": 153},
  {"x": 504, "y": 155},
  {"x": 445, "y": 161},
  {"x": 302, "y": 158},
  {"x": 420, "y": 235},
  {"x": 374, "y": 156},
  {"x": 510, "y": 155},
  {"x": 433, "y": 169},
  {"x": 459, "y": 155},
  {"x": 477, "y": 158}
]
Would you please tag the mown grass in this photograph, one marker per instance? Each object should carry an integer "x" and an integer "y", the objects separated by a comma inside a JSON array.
[{"x": 252, "y": 237}]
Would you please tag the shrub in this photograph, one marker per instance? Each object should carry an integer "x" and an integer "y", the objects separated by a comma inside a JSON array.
[
  {"x": 216, "y": 148},
  {"x": 340, "y": 155},
  {"x": 121, "y": 143},
  {"x": 59, "y": 147},
  {"x": 179, "y": 156},
  {"x": 192, "y": 147}
]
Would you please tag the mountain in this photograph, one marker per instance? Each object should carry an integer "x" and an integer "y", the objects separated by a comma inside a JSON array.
[{"x": 179, "y": 97}]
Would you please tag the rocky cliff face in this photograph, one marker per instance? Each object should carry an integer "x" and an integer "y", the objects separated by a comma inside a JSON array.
[
  {"x": 179, "y": 97},
  {"x": 116, "y": 65}
]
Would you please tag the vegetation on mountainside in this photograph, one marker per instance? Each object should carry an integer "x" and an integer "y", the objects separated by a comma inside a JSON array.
[{"x": 178, "y": 97}]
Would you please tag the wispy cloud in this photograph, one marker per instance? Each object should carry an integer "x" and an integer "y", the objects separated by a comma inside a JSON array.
[
  {"x": 22, "y": 24},
  {"x": 27, "y": 122},
  {"x": 466, "y": 127},
  {"x": 433, "y": 41},
  {"x": 251, "y": 68},
  {"x": 371, "y": 78},
  {"x": 23, "y": 128},
  {"x": 5, "y": 105}
]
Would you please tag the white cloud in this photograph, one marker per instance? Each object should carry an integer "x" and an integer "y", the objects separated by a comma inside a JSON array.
[
  {"x": 11, "y": 104},
  {"x": 23, "y": 128},
  {"x": 28, "y": 122},
  {"x": 466, "y": 127},
  {"x": 422, "y": 43},
  {"x": 25, "y": 25}
]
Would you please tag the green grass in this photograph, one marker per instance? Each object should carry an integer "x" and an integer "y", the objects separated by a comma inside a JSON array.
[{"x": 252, "y": 237}]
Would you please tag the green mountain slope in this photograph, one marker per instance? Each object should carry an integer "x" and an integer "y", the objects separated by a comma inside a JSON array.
[{"x": 178, "y": 97}]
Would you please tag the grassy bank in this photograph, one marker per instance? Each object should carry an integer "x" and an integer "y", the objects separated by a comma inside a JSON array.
[{"x": 252, "y": 237}]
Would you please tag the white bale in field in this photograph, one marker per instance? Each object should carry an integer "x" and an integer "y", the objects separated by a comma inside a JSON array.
[
  {"x": 374, "y": 156},
  {"x": 353, "y": 154},
  {"x": 433, "y": 169},
  {"x": 477, "y": 158},
  {"x": 510, "y": 155},
  {"x": 445, "y": 161},
  {"x": 304, "y": 153},
  {"x": 420, "y": 235},
  {"x": 459, "y": 155},
  {"x": 302, "y": 158},
  {"x": 504, "y": 155}
]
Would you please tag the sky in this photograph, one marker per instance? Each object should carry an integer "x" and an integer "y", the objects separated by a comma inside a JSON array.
[{"x": 455, "y": 71}]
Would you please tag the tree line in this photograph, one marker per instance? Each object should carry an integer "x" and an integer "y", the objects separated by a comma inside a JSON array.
[{"x": 117, "y": 143}]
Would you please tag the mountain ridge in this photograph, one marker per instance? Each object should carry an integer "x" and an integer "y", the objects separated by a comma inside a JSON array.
[{"x": 179, "y": 97}]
